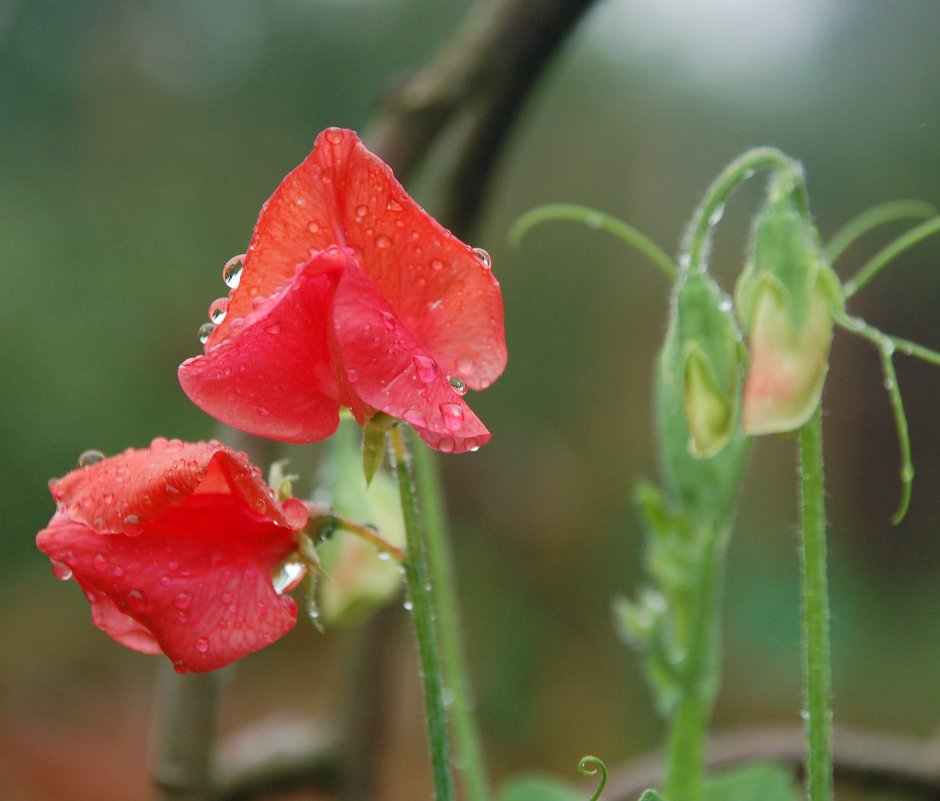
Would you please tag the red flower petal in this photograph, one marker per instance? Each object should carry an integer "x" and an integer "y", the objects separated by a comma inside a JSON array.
[
  {"x": 274, "y": 376},
  {"x": 439, "y": 289},
  {"x": 193, "y": 581},
  {"x": 387, "y": 368}
]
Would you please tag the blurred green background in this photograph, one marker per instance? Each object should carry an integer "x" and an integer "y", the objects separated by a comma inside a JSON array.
[{"x": 137, "y": 143}]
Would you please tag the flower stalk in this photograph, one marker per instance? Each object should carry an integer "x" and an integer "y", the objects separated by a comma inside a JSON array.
[
  {"x": 815, "y": 622},
  {"x": 418, "y": 581}
]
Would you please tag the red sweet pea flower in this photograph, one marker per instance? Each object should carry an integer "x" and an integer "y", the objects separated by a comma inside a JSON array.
[
  {"x": 174, "y": 547},
  {"x": 351, "y": 295}
]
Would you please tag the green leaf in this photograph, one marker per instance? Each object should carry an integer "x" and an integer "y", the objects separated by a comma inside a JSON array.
[
  {"x": 535, "y": 787},
  {"x": 651, "y": 795},
  {"x": 759, "y": 781}
]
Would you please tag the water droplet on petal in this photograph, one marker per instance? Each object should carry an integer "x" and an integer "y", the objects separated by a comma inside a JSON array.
[
  {"x": 204, "y": 332},
  {"x": 483, "y": 256},
  {"x": 393, "y": 205},
  {"x": 202, "y": 645},
  {"x": 90, "y": 457},
  {"x": 61, "y": 570},
  {"x": 313, "y": 227},
  {"x": 232, "y": 271},
  {"x": 136, "y": 600},
  {"x": 382, "y": 242},
  {"x": 165, "y": 581},
  {"x": 352, "y": 376},
  {"x": 288, "y": 575},
  {"x": 437, "y": 264},
  {"x": 101, "y": 564},
  {"x": 458, "y": 385},
  {"x": 131, "y": 520},
  {"x": 118, "y": 571},
  {"x": 334, "y": 136},
  {"x": 183, "y": 600},
  {"x": 415, "y": 418},
  {"x": 362, "y": 211},
  {"x": 446, "y": 445},
  {"x": 426, "y": 367},
  {"x": 453, "y": 415},
  {"x": 388, "y": 320},
  {"x": 217, "y": 310}
]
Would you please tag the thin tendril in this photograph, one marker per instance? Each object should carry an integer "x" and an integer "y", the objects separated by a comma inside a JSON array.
[
  {"x": 871, "y": 218},
  {"x": 887, "y": 345},
  {"x": 370, "y": 535},
  {"x": 889, "y": 252},
  {"x": 589, "y": 766},
  {"x": 594, "y": 219}
]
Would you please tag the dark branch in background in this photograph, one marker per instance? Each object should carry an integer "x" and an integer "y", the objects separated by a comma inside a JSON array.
[
  {"x": 476, "y": 83},
  {"x": 867, "y": 759}
]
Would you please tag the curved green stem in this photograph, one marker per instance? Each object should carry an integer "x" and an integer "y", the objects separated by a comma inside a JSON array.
[
  {"x": 888, "y": 253},
  {"x": 815, "y": 624},
  {"x": 589, "y": 766},
  {"x": 887, "y": 345},
  {"x": 468, "y": 750},
  {"x": 419, "y": 586},
  {"x": 685, "y": 766},
  {"x": 871, "y": 218},
  {"x": 595, "y": 219},
  {"x": 709, "y": 210}
]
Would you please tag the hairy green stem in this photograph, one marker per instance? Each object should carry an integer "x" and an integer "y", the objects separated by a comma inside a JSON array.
[
  {"x": 888, "y": 253},
  {"x": 815, "y": 623},
  {"x": 685, "y": 766},
  {"x": 710, "y": 208},
  {"x": 420, "y": 595},
  {"x": 468, "y": 750},
  {"x": 871, "y": 218}
]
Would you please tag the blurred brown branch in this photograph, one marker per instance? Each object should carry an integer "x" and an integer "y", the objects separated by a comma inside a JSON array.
[{"x": 870, "y": 759}]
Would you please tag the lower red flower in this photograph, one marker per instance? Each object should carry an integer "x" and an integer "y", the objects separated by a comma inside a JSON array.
[{"x": 174, "y": 546}]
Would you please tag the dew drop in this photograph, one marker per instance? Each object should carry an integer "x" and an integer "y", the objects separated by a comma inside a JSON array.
[
  {"x": 217, "y": 310},
  {"x": 118, "y": 571},
  {"x": 415, "y": 418},
  {"x": 483, "y": 256},
  {"x": 408, "y": 606},
  {"x": 100, "y": 563},
  {"x": 453, "y": 415},
  {"x": 232, "y": 271},
  {"x": 183, "y": 600},
  {"x": 288, "y": 575},
  {"x": 715, "y": 217},
  {"x": 388, "y": 320},
  {"x": 446, "y": 445},
  {"x": 90, "y": 457},
  {"x": 226, "y": 598},
  {"x": 131, "y": 520},
  {"x": 334, "y": 136},
  {"x": 313, "y": 227},
  {"x": 382, "y": 242},
  {"x": 352, "y": 376},
  {"x": 202, "y": 645},
  {"x": 384, "y": 556},
  {"x": 165, "y": 581},
  {"x": 136, "y": 600},
  {"x": 426, "y": 367},
  {"x": 437, "y": 264},
  {"x": 205, "y": 331},
  {"x": 61, "y": 570},
  {"x": 458, "y": 385},
  {"x": 393, "y": 205}
]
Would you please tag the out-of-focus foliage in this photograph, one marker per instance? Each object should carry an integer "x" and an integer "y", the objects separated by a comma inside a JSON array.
[{"x": 137, "y": 143}]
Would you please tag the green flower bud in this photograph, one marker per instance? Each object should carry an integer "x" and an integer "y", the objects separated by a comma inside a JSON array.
[
  {"x": 358, "y": 579},
  {"x": 785, "y": 299}
]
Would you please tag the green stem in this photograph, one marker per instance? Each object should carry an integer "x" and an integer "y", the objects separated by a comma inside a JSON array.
[
  {"x": 888, "y": 253},
  {"x": 595, "y": 219},
  {"x": 709, "y": 210},
  {"x": 467, "y": 745},
  {"x": 685, "y": 767},
  {"x": 418, "y": 580},
  {"x": 815, "y": 624},
  {"x": 871, "y": 218}
]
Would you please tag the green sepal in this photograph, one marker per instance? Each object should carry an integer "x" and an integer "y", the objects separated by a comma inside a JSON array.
[
  {"x": 651, "y": 795},
  {"x": 374, "y": 444}
]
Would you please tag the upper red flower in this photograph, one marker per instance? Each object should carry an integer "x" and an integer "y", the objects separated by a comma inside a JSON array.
[
  {"x": 351, "y": 295},
  {"x": 174, "y": 546}
]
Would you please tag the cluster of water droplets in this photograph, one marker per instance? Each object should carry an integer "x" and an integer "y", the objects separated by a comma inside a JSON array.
[{"x": 231, "y": 276}]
